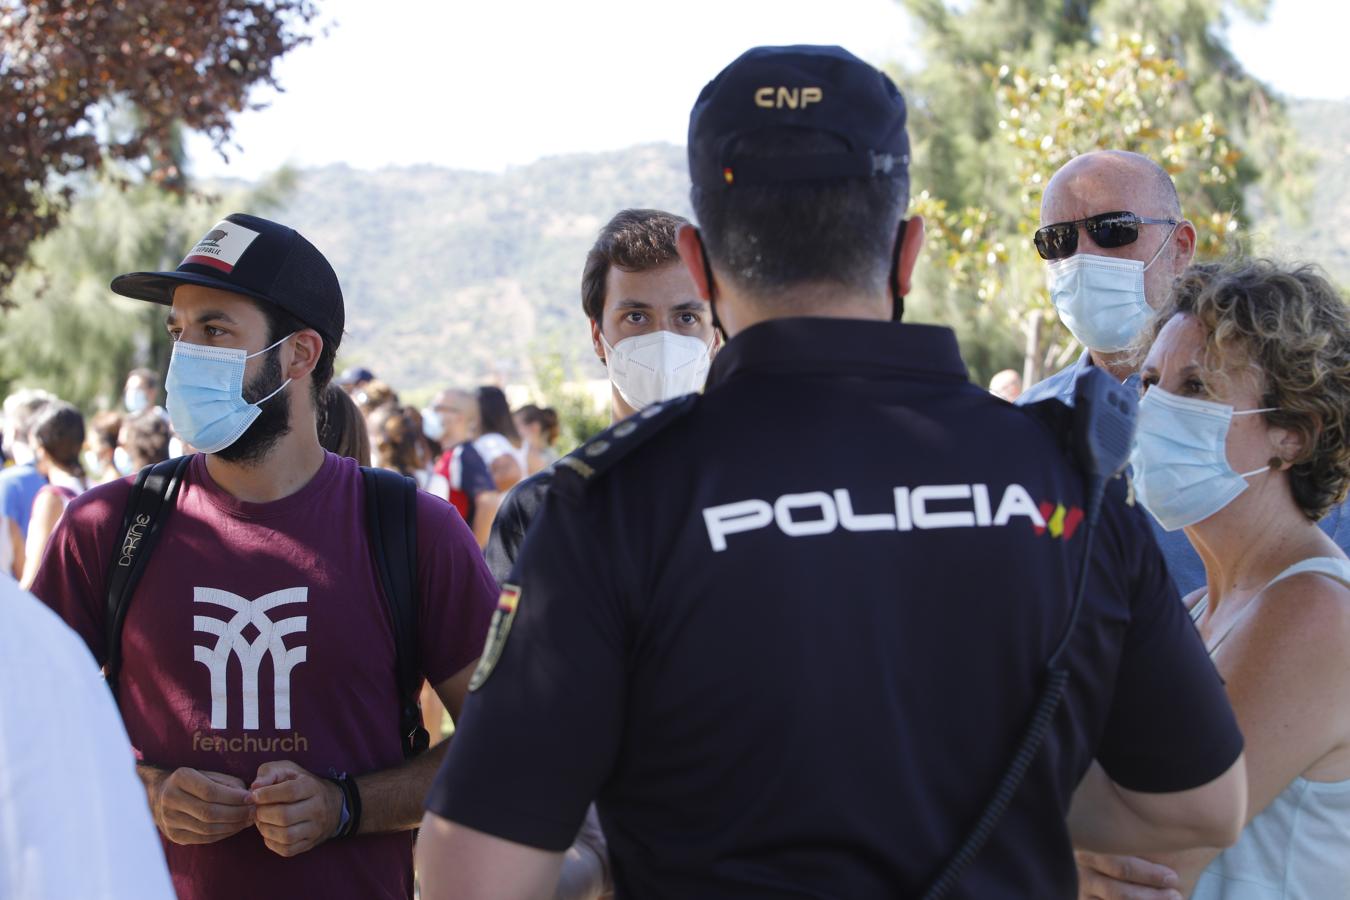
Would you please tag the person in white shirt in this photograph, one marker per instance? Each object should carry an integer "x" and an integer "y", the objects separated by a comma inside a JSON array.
[{"x": 73, "y": 817}]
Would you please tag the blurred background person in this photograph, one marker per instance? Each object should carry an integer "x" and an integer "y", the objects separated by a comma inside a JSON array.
[
  {"x": 397, "y": 443},
  {"x": 462, "y": 477},
  {"x": 101, "y": 446},
  {"x": 1244, "y": 442},
  {"x": 342, "y": 428},
  {"x": 354, "y": 379},
  {"x": 21, "y": 481},
  {"x": 146, "y": 438},
  {"x": 141, "y": 391},
  {"x": 57, "y": 439},
  {"x": 372, "y": 395},
  {"x": 539, "y": 428},
  {"x": 498, "y": 442},
  {"x": 1006, "y": 384}
]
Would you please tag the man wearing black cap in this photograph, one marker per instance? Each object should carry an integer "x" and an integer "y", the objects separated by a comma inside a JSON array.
[
  {"x": 777, "y": 677},
  {"x": 257, "y": 654}
]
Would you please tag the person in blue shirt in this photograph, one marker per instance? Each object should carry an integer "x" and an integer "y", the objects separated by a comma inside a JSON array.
[
  {"x": 19, "y": 483},
  {"x": 1115, "y": 241}
]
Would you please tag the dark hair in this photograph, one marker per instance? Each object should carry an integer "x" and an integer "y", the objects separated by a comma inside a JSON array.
[
  {"x": 494, "y": 414},
  {"x": 1294, "y": 326},
  {"x": 59, "y": 431},
  {"x": 342, "y": 429},
  {"x": 106, "y": 426},
  {"x": 635, "y": 240},
  {"x": 145, "y": 437},
  {"x": 546, "y": 418},
  {"x": 149, "y": 376},
  {"x": 281, "y": 323},
  {"x": 770, "y": 237},
  {"x": 397, "y": 435}
]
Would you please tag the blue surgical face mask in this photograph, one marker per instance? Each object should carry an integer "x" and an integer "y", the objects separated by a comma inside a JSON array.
[
  {"x": 205, "y": 387},
  {"x": 1100, "y": 299},
  {"x": 1180, "y": 461}
]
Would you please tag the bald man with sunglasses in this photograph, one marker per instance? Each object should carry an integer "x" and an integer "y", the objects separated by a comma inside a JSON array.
[{"x": 1113, "y": 239}]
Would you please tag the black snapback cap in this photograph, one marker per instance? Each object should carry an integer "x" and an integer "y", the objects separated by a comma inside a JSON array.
[
  {"x": 259, "y": 259},
  {"x": 813, "y": 88}
]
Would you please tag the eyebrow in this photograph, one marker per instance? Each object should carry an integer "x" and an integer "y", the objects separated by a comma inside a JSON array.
[
  {"x": 206, "y": 317},
  {"x": 686, "y": 306}
]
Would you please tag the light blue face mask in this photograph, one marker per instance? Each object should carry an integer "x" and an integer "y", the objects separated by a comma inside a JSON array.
[
  {"x": 135, "y": 400},
  {"x": 1180, "y": 460},
  {"x": 205, "y": 387},
  {"x": 1100, "y": 299}
]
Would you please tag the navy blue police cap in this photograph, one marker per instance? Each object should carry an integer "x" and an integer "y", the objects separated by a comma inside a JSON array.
[
  {"x": 814, "y": 88},
  {"x": 257, "y": 258}
]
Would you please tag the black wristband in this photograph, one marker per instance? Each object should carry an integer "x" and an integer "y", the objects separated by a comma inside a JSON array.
[{"x": 351, "y": 799}]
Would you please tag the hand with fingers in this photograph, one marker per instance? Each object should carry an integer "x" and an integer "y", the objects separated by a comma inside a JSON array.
[
  {"x": 196, "y": 807},
  {"x": 296, "y": 810},
  {"x": 1105, "y": 877}
]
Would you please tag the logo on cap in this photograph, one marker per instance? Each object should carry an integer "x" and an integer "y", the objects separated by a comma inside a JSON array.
[
  {"x": 791, "y": 97},
  {"x": 222, "y": 246}
]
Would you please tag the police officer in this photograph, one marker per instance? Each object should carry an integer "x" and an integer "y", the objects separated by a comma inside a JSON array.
[{"x": 787, "y": 634}]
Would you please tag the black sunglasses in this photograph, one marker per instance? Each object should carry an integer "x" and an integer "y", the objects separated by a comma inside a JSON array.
[{"x": 1110, "y": 229}]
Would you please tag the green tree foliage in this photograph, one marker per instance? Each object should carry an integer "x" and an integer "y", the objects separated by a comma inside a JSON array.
[
  {"x": 578, "y": 418},
  {"x": 64, "y": 66},
  {"x": 71, "y": 335},
  {"x": 1012, "y": 89}
]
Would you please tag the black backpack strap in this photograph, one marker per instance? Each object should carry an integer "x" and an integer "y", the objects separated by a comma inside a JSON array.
[
  {"x": 391, "y": 523},
  {"x": 152, "y": 497}
]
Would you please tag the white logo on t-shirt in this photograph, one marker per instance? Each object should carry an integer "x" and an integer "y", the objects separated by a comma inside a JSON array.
[{"x": 230, "y": 640}]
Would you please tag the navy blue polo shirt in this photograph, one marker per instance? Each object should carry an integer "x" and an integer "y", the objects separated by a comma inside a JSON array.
[{"x": 786, "y": 635}]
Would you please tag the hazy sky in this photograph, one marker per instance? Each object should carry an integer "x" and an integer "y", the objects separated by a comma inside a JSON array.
[{"x": 485, "y": 86}]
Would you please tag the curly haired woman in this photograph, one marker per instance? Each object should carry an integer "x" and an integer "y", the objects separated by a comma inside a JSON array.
[{"x": 1244, "y": 441}]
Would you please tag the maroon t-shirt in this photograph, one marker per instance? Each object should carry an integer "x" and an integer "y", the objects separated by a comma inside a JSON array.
[{"x": 258, "y": 632}]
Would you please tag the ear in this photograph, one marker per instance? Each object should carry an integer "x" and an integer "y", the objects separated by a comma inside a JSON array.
[
  {"x": 596, "y": 343},
  {"x": 1184, "y": 242},
  {"x": 307, "y": 346},
  {"x": 1289, "y": 446},
  {"x": 691, "y": 254},
  {"x": 907, "y": 254}
]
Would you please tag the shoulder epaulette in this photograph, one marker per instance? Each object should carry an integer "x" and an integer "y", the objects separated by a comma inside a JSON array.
[{"x": 587, "y": 463}]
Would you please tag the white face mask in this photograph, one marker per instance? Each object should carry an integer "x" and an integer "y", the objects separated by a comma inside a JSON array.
[
  {"x": 661, "y": 365},
  {"x": 432, "y": 426},
  {"x": 1100, "y": 299},
  {"x": 1180, "y": 459}
]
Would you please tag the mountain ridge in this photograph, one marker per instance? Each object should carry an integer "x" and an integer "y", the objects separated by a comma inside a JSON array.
[{"x": 456, "y": 277}]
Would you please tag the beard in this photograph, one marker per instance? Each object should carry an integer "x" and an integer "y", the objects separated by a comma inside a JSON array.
[{"x": 273, "y": 422}]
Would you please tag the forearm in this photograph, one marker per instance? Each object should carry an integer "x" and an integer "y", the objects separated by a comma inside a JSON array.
[
  {"x": 16, "y": 543},
  {"x": 394, "y": 799},
  {"x": 486, "y": 505}
]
